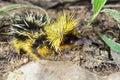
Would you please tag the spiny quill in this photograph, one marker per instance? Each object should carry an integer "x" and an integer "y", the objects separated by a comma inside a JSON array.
[
  {"x": 31, "y": 33},
  {"x": 57, "y": 30}
]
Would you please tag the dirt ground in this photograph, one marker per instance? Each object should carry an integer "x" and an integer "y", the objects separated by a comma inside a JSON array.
[{"x": 92, "y": 54}]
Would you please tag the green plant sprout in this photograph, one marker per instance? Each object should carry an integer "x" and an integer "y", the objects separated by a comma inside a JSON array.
[
  {"x": 115, "y": 14},
  {"x": 112, "y": 44},
  {"x": 97, "y": 5}
]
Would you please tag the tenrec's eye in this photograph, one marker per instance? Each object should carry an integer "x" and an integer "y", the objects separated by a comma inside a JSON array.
[{"x": 71, "y": 41}]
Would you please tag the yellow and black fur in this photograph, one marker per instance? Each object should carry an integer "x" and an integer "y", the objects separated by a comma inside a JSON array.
[
  {"x": 32, "y": 33},
  {"x": 28, "y": 33}
]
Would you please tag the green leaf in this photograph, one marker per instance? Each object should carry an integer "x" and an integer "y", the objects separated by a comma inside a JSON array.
[
  {"x": 97, "y": 6},
  {"x": 115, "y": 14},
  {"x": 112, "y": 44},
  {"x": 18, "y": 6}
]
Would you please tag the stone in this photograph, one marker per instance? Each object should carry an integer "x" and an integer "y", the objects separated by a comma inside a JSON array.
[
  {"x": 114, "y": 76},
  {"x": 52, "y": 70}
]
